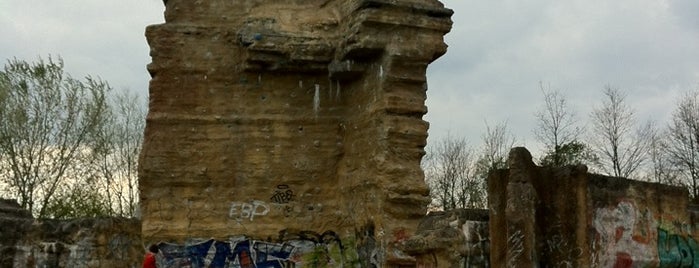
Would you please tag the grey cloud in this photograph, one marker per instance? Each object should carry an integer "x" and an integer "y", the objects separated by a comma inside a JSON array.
[
  {"x": 687, "y": 13},
  {"x": 500, "y": 50},
  {"x": 95, "y": 38}
]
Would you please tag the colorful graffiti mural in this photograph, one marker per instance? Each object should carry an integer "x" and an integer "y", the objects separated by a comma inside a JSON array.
[
  {"x": 302, "y": 249},
  {"x": 624, "y": 236},
  {"x": 630, "y": 237}
]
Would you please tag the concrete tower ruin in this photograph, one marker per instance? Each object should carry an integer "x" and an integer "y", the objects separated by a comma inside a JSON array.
[{"x": 288, "y": 130}]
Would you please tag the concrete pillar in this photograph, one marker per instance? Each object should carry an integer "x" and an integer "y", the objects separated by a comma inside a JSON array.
[
  {"x": 520, "y": 214},
  {"x": 520, "y": 210}
]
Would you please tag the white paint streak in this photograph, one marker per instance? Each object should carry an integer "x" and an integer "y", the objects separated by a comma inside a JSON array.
[
  {"x": 476, "y": 243},
  {"x": 316, "y": 100},
  {"x": 515, "y": 247}
]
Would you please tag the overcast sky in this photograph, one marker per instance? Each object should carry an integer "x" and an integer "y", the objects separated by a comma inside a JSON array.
[{"x": 499, "y": 51}]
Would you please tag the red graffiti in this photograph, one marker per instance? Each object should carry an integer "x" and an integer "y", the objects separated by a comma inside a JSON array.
[
  {"x": 623, "y": 260},
  {"x": 400, "y": 235},
  {"x": 245, "y": 260},
  {"x": 619, "y": 233}
]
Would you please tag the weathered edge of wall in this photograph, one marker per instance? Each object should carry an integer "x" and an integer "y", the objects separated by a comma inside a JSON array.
[
  {"x": 99, "y": 242},
  {"x": 454, "y": 238}
]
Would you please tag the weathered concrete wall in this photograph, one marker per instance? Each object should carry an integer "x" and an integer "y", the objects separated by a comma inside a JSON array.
[
  {"x": 566, "y": 217},
  {"x": 641, "y": 224},
  {"x": 272, "y": 117},
  {"x": 107, "y": 242}
]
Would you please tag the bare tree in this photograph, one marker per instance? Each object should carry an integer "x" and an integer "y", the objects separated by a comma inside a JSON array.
[
  {"x": 449, "y": 173},
  {"x": 621, "y": 148},
  {"x": 48, "y": 121},
  {"x": 497, "y": 142},
  {"x": 556, "y": 128},
  {"x": 683, "y": 140},
  {"x": 117, "y": 154},
  {"x": 661, "y": 169}
]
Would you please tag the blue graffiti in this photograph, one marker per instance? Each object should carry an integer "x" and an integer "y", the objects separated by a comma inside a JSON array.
[
  {"x": 265, "y": 252},
  {"x": 223, "y": 251},
  {"x": 676, "y": 251},
  {"x": 219, "y": 254},
  {"x": 292, "y": 248}
]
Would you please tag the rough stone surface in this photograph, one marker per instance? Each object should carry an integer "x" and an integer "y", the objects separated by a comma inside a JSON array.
[
  {"x": 15, "y": 222},
  {"x": 106, "y": 242},
  {"x": 273, "y": 116},
  {"x": 455, "y": 238}
]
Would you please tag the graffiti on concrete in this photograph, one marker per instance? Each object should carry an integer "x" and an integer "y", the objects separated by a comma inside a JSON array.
[
  {"x": 282, "y": 194},
  {"x": 302, "y": 249},
  {"x": 559, "y": 246},
  {"x": 367, "y": 250},
  {"x": 515, "y": 247},
  {"x": 677, "y": 251},
  {"x": 625, "y": 236},
  {"x": 247, "y": 211}
]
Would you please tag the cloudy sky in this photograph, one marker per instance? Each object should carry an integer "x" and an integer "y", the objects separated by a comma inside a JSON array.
[{"x": 499, "y": 52}]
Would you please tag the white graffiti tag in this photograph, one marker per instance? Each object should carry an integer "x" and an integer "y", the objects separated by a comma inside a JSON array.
[{"x": 242, "y": 210}]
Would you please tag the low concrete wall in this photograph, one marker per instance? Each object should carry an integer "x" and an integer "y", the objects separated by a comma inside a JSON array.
[
  {"x": 566, "y": 217},
  {"x": 103, "y": 242}
]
